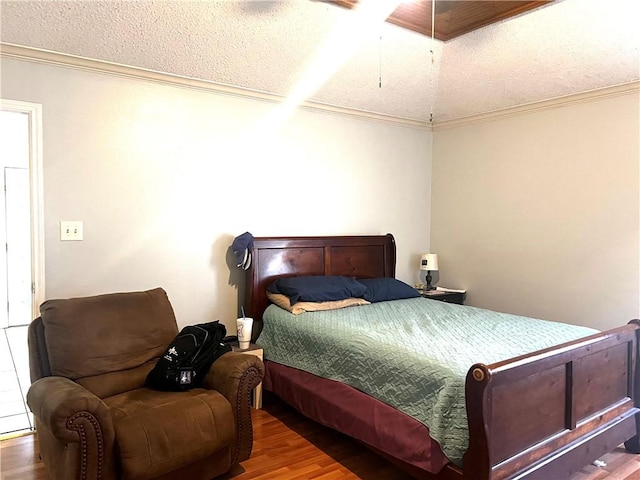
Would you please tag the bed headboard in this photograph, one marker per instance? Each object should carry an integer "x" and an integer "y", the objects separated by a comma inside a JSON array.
[{"x": 367, "y": 256}]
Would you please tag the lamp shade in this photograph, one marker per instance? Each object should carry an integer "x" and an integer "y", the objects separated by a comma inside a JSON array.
[{"x": 429, "y": 261}]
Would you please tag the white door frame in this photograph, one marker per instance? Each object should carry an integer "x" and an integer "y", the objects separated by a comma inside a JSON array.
[{"x": 34, "y": 113}]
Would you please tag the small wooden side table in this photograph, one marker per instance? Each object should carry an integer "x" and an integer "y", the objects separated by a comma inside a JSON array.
[
  {"x": 254, "y": 349},
  {"x": 448, "y": 297}
]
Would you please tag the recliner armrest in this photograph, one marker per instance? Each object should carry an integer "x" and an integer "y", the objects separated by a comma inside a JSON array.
[
  {"x": 235, "y": 375},
  {"x": 228, "y": 371},
  {"x": 65, "y": 408}
]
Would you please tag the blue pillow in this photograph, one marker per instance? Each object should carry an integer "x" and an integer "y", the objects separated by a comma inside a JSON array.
[
  {"x": 387, "y": 288},
  {"x": 318, "y": 288}
]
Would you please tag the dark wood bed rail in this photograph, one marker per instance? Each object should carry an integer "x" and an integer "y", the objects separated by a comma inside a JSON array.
[{"x": 547, "y": 414}]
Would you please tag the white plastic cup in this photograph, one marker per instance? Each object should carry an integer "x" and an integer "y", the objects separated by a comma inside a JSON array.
[{"x": 245, "y": 325}]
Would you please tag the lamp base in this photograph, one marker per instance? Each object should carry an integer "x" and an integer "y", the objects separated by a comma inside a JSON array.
[{"x": 428, "y": 286}]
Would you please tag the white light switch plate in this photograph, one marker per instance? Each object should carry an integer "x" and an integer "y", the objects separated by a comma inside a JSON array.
[{"x": 71, "y": 230}]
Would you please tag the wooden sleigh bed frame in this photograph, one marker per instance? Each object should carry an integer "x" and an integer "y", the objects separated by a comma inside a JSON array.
[{"x": 585, "y": 392}]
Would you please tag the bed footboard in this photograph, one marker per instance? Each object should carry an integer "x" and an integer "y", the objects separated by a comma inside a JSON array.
[{"x": 547, "y": 414}]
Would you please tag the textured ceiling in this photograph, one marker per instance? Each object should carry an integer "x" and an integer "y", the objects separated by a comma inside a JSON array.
[{"x": 565, "y": 47}]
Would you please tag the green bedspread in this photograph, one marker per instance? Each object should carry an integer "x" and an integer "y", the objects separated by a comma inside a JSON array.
[{"x": 412, "y": 354}]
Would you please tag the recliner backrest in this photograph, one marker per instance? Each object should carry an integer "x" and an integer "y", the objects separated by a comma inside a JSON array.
[{"x": 107, "y": 343}]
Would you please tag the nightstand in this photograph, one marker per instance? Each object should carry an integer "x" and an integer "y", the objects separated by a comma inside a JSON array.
[
  {"x": 256, "y": 350},
  {"x": 448, "y": 297}
]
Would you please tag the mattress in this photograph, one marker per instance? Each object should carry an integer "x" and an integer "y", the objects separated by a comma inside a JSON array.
[{"x": 411, "y": 354}]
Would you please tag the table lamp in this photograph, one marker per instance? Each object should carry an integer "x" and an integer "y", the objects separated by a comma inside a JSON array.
[{"x": 429, "y": 262}]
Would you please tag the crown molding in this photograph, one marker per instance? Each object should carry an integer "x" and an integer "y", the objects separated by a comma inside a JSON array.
[
  {"x": 588, "y": 96},
  {"x": 99, "y": 66}
]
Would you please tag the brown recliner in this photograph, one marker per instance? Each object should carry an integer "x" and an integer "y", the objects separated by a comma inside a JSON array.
[{"x": 89, "y": 358}]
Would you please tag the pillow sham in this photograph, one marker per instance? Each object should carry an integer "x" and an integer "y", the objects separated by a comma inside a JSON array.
[
  {"x": 387, "y": 288},
  {"x": 283, "y": 302},
  {"x": 317, "y": 288}
]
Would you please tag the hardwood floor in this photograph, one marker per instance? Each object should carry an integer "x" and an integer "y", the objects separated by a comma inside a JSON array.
[{"x": 287, "y": 446}]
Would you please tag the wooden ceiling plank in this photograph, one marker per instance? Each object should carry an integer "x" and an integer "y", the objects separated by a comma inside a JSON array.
[{"x": 453, "y": 17}]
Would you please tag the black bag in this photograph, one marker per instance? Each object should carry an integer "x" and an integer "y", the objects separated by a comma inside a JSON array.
[{"x": 188, "y": 357}]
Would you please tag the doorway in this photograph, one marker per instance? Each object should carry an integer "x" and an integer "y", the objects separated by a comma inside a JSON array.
[{"x": 21, "y": 255}]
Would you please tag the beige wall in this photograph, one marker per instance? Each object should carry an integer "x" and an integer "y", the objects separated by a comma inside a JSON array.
[
  {"x": 164, "y": 177},
  {"x": 538, "y": 214},
  {"x": 535, "y": 214}
]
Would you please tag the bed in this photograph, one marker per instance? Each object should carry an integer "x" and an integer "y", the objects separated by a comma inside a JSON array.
[{"x": 542, "y": 414}]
